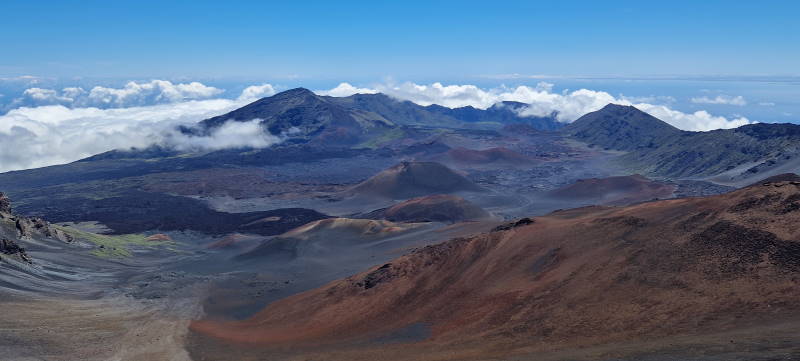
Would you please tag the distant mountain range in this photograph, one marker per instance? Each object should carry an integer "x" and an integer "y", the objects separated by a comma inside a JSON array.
[
  {"x": 376, "y": 130},
  {"x": 305, "y": 116},
  {"x": 654, "y": 147},
  {"x": 657, "y": 148}
]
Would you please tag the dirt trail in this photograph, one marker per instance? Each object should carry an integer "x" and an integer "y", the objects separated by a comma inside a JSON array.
[{"x": 115, "y": 328}]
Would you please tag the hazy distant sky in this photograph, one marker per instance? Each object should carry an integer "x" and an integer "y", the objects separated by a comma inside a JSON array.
[{"x": 416, "y": 40}]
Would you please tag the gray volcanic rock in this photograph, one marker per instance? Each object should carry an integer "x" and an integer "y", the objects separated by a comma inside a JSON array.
[
  {"x": 28, "y": 227},
  {"x": 12, "y": 249},
  {"x": 16, "y": 229},
  {"x": 5, "y": 206}
]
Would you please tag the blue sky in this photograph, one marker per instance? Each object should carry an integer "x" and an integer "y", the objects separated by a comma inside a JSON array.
[
  {"x": 82, "y": 77},
  {"x": 417, "y": 40}
]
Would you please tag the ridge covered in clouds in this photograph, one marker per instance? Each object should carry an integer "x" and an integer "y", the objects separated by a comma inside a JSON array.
[
  {"x": 542, "y": 100},
  {"x": 60, "y": 126},
  {"x": 56, "y": 134}
]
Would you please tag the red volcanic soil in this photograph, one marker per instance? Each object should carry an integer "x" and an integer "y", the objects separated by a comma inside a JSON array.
[
  {"x": 414, "y": 179},
  {"x": 435, "y": 208},
  {"x": 491, "y": 155},
  {"x": 615, "y": 190},
  {"x": 588, "y": 276},
  {"x": 159, "y": 237},
  {"x": 235, "y": 240}
]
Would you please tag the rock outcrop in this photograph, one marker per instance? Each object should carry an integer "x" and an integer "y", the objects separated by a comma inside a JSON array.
[
  {"x": 5, "y": 206},
  {"x": 28, "y": 227},
  {"x": 12, "y": 249}
]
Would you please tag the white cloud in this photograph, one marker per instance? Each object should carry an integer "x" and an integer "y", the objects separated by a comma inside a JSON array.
[
  {"x": 344, "y": 90},
  {"x": 132, "y": 94},
  {"x": 49, "y": 96},
  {"x": 721, "y": 99},
  {"x": 542, "y": 101},
  {"x": 698, "y": 121},
  {"x": 766, "y": 104},
  {"x": 254, "y": 92},
  {"x": 54, "y": 134},
  {"x": 229, "y": 135}
]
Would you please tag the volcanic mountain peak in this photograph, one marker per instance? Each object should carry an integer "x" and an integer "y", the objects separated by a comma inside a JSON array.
[
  {"x": 413, "y": 179},
  {"x": 294, "y": 92},
  {"x": 621, "y": 127},
  {"x": 306, "y": 116},
  {"x": 623, "y": 115}
]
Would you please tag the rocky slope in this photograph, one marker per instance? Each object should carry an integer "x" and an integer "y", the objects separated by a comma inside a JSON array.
[
  {"x": 614, "y": 190},
  {"x": 574, "y": 278},
  {"x": 16, "y": 229},
  {"x": 434, "y": 208}
]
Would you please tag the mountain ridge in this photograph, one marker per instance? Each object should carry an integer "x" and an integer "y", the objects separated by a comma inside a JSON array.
[{"x": 658, "y": 149}]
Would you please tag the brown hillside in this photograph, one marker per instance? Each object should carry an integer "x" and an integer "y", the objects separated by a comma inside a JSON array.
[
  {"x": 414, "y": 179},
  {"x": 592, "y": 275}
]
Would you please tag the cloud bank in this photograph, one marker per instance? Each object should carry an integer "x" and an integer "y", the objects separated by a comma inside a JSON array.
[
  {"x": 230, "y": 135},
  {"x": 132, "y": 94},
  {"x": 543, "y": 101},
  {"x": 56, "y": 134}
]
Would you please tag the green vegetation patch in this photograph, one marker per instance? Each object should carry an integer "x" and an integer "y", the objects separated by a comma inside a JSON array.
[
  {"x": 114, "y": 246},
  {"x": 386, "y": 137}
]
